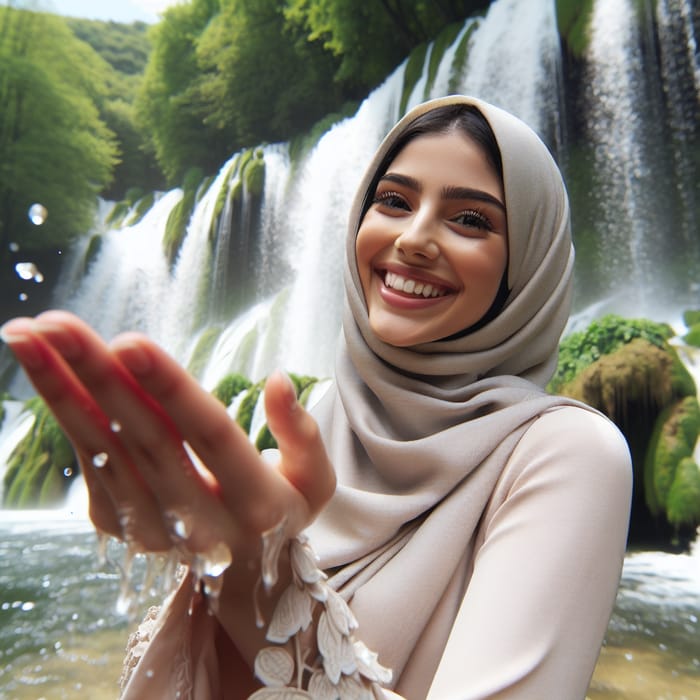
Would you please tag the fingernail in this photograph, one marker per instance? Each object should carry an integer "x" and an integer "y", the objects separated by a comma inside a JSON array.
[
  {"x": 24, "y": 349},
  {"x": 61, "y": 339},
  {"x": 134, "y": 358},
  {"x": 291, "y": 389}
]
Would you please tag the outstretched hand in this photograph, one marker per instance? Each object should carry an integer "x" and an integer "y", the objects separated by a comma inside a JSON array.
[{"x": 163, "y": 461}]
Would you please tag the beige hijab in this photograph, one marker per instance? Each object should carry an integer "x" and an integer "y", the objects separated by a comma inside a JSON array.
[{"x": 420, "y": 435}]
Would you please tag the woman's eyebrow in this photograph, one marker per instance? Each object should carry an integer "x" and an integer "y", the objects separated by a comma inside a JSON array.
[
  {"x": 452, "y": 192},
  {"x": 448, "y": 192},
  {"x": 405, "y": 180}
]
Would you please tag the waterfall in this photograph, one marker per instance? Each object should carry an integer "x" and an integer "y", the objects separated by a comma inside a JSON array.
[
  {"x": 265, "y": 273},
  {"x": 641, "y": 126}
]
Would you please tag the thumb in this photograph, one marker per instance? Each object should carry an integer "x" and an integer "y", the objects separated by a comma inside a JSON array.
[{"x": 304, "y": 461}]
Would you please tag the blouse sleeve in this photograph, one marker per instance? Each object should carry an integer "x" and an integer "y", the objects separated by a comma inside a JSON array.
[{"x": 547, "y": 567}]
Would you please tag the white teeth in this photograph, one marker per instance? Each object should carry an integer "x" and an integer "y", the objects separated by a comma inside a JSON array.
[{"x": 410, "y": 286}]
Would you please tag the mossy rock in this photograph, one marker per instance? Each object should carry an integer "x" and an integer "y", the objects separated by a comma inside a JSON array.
[
  {"x": 683, "y": 507},
  {"x": 253, "y": 174},
  {"x": 203, "y": 349},
  {"x": 142, "y": 206},
  {"x": 231, "y": 386},
  {"x": 574, "y": 22},
  {"x": 603, "y": 337},
  {"x": 691, "y": 318},
  {"x": 42, "y": 465},
  {"x": 93, "y": 250},
  {"x": 180, "y": 214},
  {"x": 669, "y": 487},
  {"x": 628, "y": 370},
  {"x": 636, "y": 373}
]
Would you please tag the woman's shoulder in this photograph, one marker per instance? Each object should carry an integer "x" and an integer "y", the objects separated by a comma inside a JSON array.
[{"x": 578, "y": 437}]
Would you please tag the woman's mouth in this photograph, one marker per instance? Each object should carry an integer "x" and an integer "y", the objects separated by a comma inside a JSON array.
[{"x": 408, "y": 285}]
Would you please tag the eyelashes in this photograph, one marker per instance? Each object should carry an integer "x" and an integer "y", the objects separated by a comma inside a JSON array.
[
  {"x": 473, "y": 219},
  {"x": 469, "y": 218},
  {"x": 391, "y": 199}
]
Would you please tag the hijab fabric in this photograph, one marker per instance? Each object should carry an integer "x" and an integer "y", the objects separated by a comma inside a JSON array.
[{"x": 420, "y": 435}]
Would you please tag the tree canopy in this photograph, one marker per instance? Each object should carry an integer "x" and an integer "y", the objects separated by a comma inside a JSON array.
[
  {"x": 229, "y": 74},
  {"x": 54, "y": 148}
]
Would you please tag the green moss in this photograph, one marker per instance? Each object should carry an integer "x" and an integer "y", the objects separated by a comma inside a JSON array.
[
  {"x": 202, "y": 351},
  {"x": 412, "y": 74},
  {"x": 443, "y": 41},
  {"x": 42, "y": 464},
  {"x": 176, "y": 225},
  {"x": 574, "y": 22},
  {"x": 460, "y": 59},
  {"x": 244, "y": 416},
  {"x": 92, "y": 251},
  {"x": 229, "y": 387},
  {"x": 142, "y": 206},
  {"x": 253, "y": 175},
  {"x": 603, "y": 337},
  {"x": 673, "y": 439},
  {"x": 684, "y": 497},
  {"x": 692, "y": 337},
  {"x": 117, "y": 214},
  {"x": 691, "y": 317}
]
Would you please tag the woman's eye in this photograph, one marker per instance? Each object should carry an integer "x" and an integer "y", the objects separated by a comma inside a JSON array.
[
  {"x": 473, "y": 219},
  {"x": 393, "y": 200}
]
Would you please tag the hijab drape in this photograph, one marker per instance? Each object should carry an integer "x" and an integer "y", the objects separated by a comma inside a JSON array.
[{"x": 420, "y": 435}]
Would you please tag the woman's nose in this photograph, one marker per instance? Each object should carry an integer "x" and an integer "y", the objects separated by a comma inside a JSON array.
[{"x": 418, "y": 239}]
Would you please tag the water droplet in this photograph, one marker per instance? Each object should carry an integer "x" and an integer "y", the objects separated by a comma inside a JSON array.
[
  {"x": 180, "y": 524},
  {"x": 149, "y": 673},
  {"x": 37, "y": 214},
  {"x": 28, "y": 271},
  {"x": 14, "y": 247},
  {"x": 629, "y": 656},
  {"x": 100, "y": 460},
  {"x": 25, "y": 607},
  {"x": 67, "y": 472},
  {"x": 115, "y": 426},
  {"x": 23, "y": 297}
]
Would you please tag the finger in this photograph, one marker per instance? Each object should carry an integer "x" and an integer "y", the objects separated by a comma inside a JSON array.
[
  {"x": 153, "y": 443},
  {"x": 119, "y": 504},
  {"x": 256, "y": 492},
  {"x": 304, "y": 462}
]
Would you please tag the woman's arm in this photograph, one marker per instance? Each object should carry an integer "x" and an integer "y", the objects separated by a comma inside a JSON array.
[
  {"x": 136, "y": 419},
  {"x": 546, "y": 573}
]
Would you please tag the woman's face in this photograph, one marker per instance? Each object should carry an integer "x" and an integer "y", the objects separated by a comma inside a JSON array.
[{"x": 433, "y": 246}]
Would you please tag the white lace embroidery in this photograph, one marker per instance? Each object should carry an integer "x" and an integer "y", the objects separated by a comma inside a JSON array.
[{"x": 344, "y": 668}]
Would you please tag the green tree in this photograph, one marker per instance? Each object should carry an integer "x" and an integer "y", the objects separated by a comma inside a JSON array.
[
  {"x": 264, "y": 80},
  {"x": 54, "y": 149},
  {"x": 372, "y": 38},
  {"x": 169, "y": 104}
]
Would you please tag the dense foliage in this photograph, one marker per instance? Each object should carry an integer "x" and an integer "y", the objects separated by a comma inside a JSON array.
[
  {"x": 229, "y": 74},
  {"x": 54, "y": 148}
]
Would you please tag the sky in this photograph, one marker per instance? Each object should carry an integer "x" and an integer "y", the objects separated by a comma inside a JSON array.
[{"x": 117, "y": 10}]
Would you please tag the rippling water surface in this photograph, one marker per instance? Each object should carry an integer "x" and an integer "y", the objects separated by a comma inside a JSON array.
[{"x": 62, "y": 638}]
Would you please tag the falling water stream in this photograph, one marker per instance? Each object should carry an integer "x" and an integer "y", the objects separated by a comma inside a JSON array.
[{"x": 62, "y": 636}]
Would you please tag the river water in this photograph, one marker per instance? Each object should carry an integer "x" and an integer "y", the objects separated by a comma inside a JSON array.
[{"x": 61, "y": 636}]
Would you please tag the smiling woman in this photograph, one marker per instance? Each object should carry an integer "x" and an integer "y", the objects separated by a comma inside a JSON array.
[
  {"x": 432, "y": 248},
  {"x": 437, "y": 513}
]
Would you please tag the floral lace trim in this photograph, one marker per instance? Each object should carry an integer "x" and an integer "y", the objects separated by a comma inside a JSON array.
[
  {"x": 344, "y": 667},
  {"x": 137, "y": 644}
]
